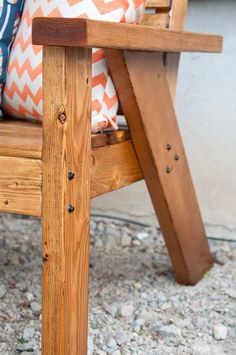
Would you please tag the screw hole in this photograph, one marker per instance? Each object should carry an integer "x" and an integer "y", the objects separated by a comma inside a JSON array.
[{"x": 45, "y": 257}]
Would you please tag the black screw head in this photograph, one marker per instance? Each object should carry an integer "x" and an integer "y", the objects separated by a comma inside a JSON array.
[
  {"x": 71, "y": 175},
  {"x": 168, "y": 169},
  {"x": 176, "y": 157},
  {"x": 168, "y": 146},
  {"x": 70, "y": 208}
]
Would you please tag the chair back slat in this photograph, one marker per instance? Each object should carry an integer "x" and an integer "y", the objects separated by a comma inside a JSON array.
[
  {"x": 157, "y": 13},
  {"x": 176, "y": 22},
  {"x": 167, "y": 14},
  {"x": 159, "y": 4},
  {"x": 159, "y": 20}
]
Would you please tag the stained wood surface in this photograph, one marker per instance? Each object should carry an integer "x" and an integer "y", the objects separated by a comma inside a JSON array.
[
  {"x": 20, "y": 190},
  {"x": 66, "y": 148},
  {"x": 176, "y": 22},
  {"x": 90, "y": 33},
  {"x": 113, "y": 167},
  {"x": 161, "y": 4},
  {"x": 110, "y": 138},
  {"x": 20, "y": 185},
  {"x": 168, "y": 178},
  {"x": 159, "y": 20},
  {"x": 20, "y": 138}
]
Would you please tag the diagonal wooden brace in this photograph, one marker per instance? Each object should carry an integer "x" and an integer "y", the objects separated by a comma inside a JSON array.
[{"x": 144, "y": 95}]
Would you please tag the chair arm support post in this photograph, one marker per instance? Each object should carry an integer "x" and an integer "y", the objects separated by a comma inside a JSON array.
[{"x": 66, "y": 200}]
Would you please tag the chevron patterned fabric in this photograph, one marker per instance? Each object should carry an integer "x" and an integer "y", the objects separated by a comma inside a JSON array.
[
  {"x": 10, "y": 12},
  {"x": 22, "y": 96}
]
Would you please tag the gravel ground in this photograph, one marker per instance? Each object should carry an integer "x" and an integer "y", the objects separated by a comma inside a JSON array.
[{"x": 135, "y": 305}]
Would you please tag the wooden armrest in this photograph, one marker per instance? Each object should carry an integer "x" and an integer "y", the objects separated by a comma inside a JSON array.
[{"x": 89, "y": 33}]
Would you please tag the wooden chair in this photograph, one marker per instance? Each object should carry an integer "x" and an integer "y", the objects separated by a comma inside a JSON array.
[{"x": 54, "y": 170}]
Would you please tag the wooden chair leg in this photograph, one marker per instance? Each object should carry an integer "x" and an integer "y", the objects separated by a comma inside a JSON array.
[
  {"x": 66, "y": 199},
  {"x": 142, "y": 87}
]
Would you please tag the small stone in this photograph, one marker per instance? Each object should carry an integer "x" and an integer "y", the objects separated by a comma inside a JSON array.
[
  {"x": 113, "y": 231},
  {"x": 161, "y": 297},
  {"x": 231, "y": 322},
  {"x": 220, "y": 332},
  {"x": 28, "y": 333},
  {"x": 165, "y": 306},
  {"x": 90, "y": 346},
  {"x": 105, "y": 291},
  {"x": 142, "y": 235},
  {"x": 100, "y": 227},
  {"x": 112, "y": 309},
  {"x": 126, "y": 240},
  {"x": 3, "y": 291},
  {"x": 184, "y": 323},
  {"x": 27, "y": 347},
  {"x": 93, "y": 225},
  {"x": 147, "y": 316},
  {"x": 231, "y": 293},
  {"x": 136, "y": 243},
  {"x": 117, "y": 352},
  {"x": 99, "y": 243},
  {"x": 168, "y": 330},
  {"x": 29, "y": 296},
  {"x": 138, "y": 285},
  {"x": 140, "y": 340},
  {"x": 36, "y": 307},
  {"x": 8, "y": 329},
  {"x": 175, "y": 300},
  {"x": 126, "y": 310},
  {"x": 139, "y": 323},
  {"x": 111, "y": 346},
  {"x": 121, "y": 337}
]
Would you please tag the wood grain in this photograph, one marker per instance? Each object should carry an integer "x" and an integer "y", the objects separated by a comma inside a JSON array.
[
  {"x": 66, "y": 147},
  {"x": 176, "y": 22},
  {"x": 20, "y": 190},
  {"x": 90, "y": 33},
  {"x": 153, "y": 126},
  {"x": 20, "y": 185},
  {"x": 159, "y": 20},
  {"x": 20, "y": 138},
  {"x": 161, "y": 4},
  {"x": 119, "y": 168}
]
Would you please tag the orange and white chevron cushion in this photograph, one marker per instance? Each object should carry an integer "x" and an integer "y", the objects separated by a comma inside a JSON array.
[{"x": 22, "y": 95}]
